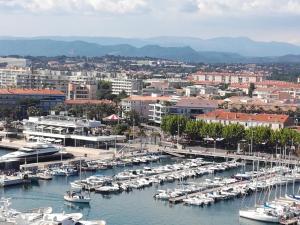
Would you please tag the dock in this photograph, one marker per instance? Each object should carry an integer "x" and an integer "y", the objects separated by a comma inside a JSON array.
[
  {"x": 180, "y": 199},
  {"x": 210, "y": 153}
]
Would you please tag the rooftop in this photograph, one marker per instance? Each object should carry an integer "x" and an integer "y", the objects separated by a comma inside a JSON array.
[
  {"x": 148, "y": 98},
  {"x": 197, "y": 102},
  {"x": 87, "y": 101},
  {"x": 30, "y": 92},
  {"x": 224, "y": 115}
]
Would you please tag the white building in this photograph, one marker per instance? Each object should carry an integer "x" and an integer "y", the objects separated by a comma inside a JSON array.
[
  {"x": 274, "y": 121},
  {"x": 68, "y": 130},
  {"x": 230, "y": 78},
  {"x": 141, "y": 104},
  {"x": 188, "y": 106},
  {"x": 130, "y": 86}
]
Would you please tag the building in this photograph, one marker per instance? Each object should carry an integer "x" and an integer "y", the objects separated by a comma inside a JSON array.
[
  {"x": 130, "y": 86},
  {"x": 47, "y": 98},
  {"x": 82, "y": 91},
  {"x": 230, "y": 77},
  {"x": 189, "y": 107},
  {"x": 68, "y": 130},
  {"x": 141, "y": 104},
  {"x": 72, "y": 102},
  {"x": 200, "y": 90},
  {"x": 273, "y": 121}
]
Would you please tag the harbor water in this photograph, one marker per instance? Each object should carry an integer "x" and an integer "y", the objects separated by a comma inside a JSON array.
[{"x": 134, "y": 208}]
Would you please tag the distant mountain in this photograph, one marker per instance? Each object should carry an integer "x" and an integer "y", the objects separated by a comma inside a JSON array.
[
  {"x": 47, "y": 47},
  {"x": 240, "y": 45}
]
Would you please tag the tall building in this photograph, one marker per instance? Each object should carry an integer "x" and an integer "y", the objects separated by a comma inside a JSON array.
[
  {"x": 82, "y": 91},
  {"x": 130, "y": 86}
]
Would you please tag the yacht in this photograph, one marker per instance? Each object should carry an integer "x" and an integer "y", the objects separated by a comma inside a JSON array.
[
  {"x": 260, "y": 214},
  {"x": 32, "y": 150},
  {"x": 76, "y": 197}
]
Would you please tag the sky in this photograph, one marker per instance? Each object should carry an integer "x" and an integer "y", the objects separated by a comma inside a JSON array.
[{"x": 264, "y": 20}]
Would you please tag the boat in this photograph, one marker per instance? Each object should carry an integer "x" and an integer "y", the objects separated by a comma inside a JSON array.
[
  {"x": 12, "y": 180},
  {"x": 260, "y": 214},
  {"x": 32, "y": 150},
  {"x": 45, "y": 175},
  {"x": 76, "y": 197}
]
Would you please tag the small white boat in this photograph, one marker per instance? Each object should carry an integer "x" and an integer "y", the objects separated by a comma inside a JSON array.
[
  {"x": 260, "y": 214},
  {"x": 45, "y": 175},
  {"x": 76, "y": 197}
]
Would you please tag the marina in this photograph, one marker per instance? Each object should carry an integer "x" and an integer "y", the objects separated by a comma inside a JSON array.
[{"x": 105, "y": 205}]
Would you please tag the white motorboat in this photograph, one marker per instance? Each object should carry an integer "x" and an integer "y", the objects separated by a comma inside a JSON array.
[
  {"x": 77, "y": 197},
  {"x": 260, "y": 214},
  {"x": 32, "y": 150},
  {"x": 45, "y": 175}
]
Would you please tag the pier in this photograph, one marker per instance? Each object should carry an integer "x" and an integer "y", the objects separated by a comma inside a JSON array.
[{"x": 223, "y": 154}]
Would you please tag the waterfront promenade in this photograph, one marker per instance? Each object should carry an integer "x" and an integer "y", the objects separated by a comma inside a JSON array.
[{"x": 219, "y": 153}]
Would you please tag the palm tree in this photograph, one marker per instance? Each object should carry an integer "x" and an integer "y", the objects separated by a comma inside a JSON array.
[{"x": 155, "y": 135}]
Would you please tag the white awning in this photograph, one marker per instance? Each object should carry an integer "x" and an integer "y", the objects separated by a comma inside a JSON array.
[
  {"x": 58, "y": 141},
  {"x": 50, "y": 128},
  {"x": 41, "y": 126},
  {"x": 59, "y": 128}
]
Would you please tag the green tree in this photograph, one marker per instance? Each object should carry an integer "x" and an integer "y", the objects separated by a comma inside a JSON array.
[
  {"x": 133, "y": 118},
  {"x": 171, "y": 124},
  {"x": 193, "y": 129},
  {"x": 104, "y": 90},
  {"x": 233, "y": 133},
  {"x": 251, "y": 90},
  {"x": 34, "y": 111},
  {"x": 119, "y": 129},
  {"x": 212, "y": 130}
]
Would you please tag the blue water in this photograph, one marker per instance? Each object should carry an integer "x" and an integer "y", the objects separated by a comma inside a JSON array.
[{"x": 133, "y": 208}]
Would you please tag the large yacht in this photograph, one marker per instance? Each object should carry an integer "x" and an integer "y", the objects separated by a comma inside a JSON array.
[{"x": 32, "y": 150}]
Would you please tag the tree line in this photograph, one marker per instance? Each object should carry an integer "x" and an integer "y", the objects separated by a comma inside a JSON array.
[{"x": 229, "y": 135}]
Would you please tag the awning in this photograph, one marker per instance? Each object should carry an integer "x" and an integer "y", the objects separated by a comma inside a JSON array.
[
  {"x": 41, "y": 126},
  {"x": 112, "y": 117},
  {"x": 58, "y": 141},
  {"x": 50, "y": 128},
  {"x": 59, "y": 128}
]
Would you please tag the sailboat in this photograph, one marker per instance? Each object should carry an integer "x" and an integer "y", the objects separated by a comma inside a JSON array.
[
  {"x": 260, "y": 213},
  {"x": 76, "y": 196}
]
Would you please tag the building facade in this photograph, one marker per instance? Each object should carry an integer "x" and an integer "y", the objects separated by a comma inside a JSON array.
[
  {"x": 82, "y": 91},
  {"x": 68, "y": 130},
  {"x": 273, "y": 121},
  {"x": 229, "y": 78},
  {"x": 47, "y": 98},
  {"x": 130, "y": 86}
]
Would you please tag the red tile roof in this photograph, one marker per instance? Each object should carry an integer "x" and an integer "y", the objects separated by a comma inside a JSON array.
[
  {"x": 231, "y": 116},
  {"x": 30, "y": 92},
  {"x": 197, "y": 102},
  {"x": 88, "y": 102},
  {"x": 147, "y": 98}
]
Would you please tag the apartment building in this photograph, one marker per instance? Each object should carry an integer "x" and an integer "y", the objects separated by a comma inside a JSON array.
[
  {"x": 82, "y": 91},
  {"x": 47, "y": 98},
  {"x": 187, "y": 106},
  {"x": 130, "y": 86},
  {"x": 141, "y": 104},
  {"x": 230, "y": 77},
  {"x": 273, "y": 121}
]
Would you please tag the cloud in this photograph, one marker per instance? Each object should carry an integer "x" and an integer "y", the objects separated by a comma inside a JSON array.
[
  {"x": 74, "y": 6},
  {"x": 244, "y": 7}
]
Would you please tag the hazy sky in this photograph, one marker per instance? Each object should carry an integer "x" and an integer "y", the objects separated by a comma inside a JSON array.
[{"x": 270, "y": 20}]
